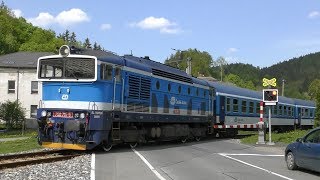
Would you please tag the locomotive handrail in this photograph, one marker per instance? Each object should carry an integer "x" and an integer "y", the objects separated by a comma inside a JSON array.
[
  {"x": 122, "y": 95},
  {"x": 114, "y": 92}
]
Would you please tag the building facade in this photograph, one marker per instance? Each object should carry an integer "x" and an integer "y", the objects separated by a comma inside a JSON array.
[{"x": 18, "y": 80}]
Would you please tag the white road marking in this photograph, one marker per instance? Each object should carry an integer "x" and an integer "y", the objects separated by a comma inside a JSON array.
[
  {"x": 93, "y": 163},
  {"x": 267, "y": 155},
  {"x": 248, "y": 164},
  {"x": 149, "y": 165}
]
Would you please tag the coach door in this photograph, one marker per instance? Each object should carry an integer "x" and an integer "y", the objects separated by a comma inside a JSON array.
[
  {"x": 299, "y": 116},
  {"x": 117, "y": 88},
  {"x": 222, "y": 109}
]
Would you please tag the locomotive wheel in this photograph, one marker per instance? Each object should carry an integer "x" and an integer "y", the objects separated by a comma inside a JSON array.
[
  {"x": 198, "y": 138},
  {"x": 184, "y": 139},
  {"x": 106, "y": 147},
  {"x": 133, "y": 145}
]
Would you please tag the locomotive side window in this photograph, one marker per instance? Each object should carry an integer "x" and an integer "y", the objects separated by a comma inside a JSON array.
[
  {"x": 107, "y": 72},
  {"x": 244, "y": 106},
  {"x": 179, "y": 89},
  {"x": 169, "y": 87},
  {"x": 235, "y": 105},
  {"x": 118, "y": 74},
  {"x": 251, "y": 107},
  {"x": 158, "y": 85},
  {"x": 228, "y": 104},
  {"x": 189, "y": 90}
]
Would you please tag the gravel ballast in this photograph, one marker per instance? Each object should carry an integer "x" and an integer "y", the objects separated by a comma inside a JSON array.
[{"x": 78, "y": 168}]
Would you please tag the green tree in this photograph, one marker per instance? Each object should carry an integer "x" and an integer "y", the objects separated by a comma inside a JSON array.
[
  {"x": 201, "y": 61},
  {"x": 221, "y": 62},
  {"x": 87, "y": 44},
  {"x": 314, "y": 88},
  {"x": 12, "y": 113}
]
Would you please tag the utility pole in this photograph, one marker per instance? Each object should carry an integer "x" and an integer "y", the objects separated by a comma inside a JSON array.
[
  {"x": 189, "y": 65},
  {"x": 282, "y": 92}
]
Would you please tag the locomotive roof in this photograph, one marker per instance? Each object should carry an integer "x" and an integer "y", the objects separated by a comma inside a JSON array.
[{"x": 145, "y": 64}]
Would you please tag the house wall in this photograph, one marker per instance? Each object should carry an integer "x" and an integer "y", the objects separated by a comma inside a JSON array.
[{"x": 22, "y": 78}]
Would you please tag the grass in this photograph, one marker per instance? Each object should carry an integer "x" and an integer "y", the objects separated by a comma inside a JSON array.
[
  {"x": 19, "y": 145},
  {"x": 17, "y": 133},
  {"x": 281, "y": 138}
]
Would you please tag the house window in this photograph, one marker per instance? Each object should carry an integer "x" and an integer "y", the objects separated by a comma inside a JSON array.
[
  {"x": 34, "y": 87},
  {"x": 11, "y": 87},
  {"x": 33, "y": 111}
]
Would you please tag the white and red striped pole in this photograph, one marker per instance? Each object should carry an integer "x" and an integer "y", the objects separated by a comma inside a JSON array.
[
  {"x": 261, "y": 138},
  {"x": 261, "y": 111}
]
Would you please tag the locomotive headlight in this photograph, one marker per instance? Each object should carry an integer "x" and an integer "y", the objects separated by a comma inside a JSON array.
[
  {"x": 44, "y": 113},
  {"x": 82, "y": 115},
  {"x": 64, "y": 51},
  {"x": 76, "y": 115}
]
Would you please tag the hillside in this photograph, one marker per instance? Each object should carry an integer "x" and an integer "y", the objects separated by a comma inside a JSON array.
[{"x": 298, "y": 73}]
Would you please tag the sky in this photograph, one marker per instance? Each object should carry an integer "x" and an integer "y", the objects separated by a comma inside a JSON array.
[{"x": 261, "y": 33}]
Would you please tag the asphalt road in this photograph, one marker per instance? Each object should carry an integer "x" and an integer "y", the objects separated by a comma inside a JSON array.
[{"x": 212, "y": 159}]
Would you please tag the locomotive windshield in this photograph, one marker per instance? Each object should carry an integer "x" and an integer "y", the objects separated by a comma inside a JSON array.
[{"x": 67, "y": 68}]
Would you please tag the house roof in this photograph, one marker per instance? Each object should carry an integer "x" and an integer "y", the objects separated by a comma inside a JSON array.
[{"x": 22, "y": 59}]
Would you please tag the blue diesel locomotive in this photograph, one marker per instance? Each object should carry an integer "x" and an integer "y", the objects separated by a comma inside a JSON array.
[{"x": 93, "y": 99}]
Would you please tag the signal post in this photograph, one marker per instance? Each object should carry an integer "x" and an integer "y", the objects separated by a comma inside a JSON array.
[{"x": 270, "y": 98}]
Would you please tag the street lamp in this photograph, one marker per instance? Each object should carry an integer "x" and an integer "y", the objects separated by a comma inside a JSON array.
[{"x": 188, "y": 69}]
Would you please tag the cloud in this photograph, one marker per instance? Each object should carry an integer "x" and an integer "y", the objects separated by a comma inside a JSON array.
[
  {"x": 105, "y": 27},
  {"x": 233, "y": 50},
  {"x": 42, "y": 20},
  {"x": 161, "y": 24},
  {"x": 314, "y": 14},
  {"x": 73, "y": 16},
  {"x": 64, "y": 18},
  {"x": 17, "y": 12}
]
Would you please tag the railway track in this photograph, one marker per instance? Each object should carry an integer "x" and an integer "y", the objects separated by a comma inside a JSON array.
[{"x": 16, "y": 160}]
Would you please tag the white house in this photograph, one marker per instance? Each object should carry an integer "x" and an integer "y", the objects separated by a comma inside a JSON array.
[{"x": 18, "y": 80}]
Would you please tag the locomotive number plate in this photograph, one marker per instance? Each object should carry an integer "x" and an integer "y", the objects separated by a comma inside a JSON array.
[{"x": 63, "y": 114}]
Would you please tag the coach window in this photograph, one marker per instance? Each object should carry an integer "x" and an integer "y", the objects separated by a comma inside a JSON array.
[
  {"x": 280, "y": 110},
  {"x": 189, "y": 90},
  {"x": 235, "y": 105},
  {"x": 244, "y": 106},
  {"x": 251, "y": 104},
  {"x": 306, "y": 114},
  {"x": 169, "y": 87},
  {"x": 258, "y": 108},
  {"x": 179, "y": 89},
  {"x": 204, "y": 93},
  {"x": 311, "y": 113},
  {"x": 275, "y": 110},
  {"x": 118, "y": 74},
  {"x": 289, "y": 111},
  {"x": 228, "y": 105},
  {"x": 285, "y": 112},
  {"x": 197, "y": 91}
]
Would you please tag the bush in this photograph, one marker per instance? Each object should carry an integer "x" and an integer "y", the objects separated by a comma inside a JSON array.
[{"x": 12, "y": 113}]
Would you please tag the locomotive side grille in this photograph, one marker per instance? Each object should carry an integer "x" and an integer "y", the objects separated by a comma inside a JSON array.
[
  {"x": 139, "y": 94},
  {"x": 169, "y": 75}
]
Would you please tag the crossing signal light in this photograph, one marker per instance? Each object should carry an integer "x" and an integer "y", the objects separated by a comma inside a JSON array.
[{"x": 270, "y": 95}]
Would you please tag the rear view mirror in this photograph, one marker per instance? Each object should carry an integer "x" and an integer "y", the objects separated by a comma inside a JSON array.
[{"x": 299, "y": 140}]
